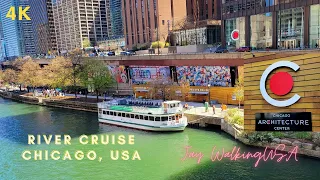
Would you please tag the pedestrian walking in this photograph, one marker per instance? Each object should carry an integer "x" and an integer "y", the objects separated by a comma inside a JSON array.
[{"x": 214, "y": 109}]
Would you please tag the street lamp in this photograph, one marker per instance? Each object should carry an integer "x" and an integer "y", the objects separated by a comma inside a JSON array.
[{"x": 209, "y": 85}]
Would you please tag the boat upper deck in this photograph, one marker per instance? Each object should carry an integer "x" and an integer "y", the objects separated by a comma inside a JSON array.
[{"x": 143, "y": 106}]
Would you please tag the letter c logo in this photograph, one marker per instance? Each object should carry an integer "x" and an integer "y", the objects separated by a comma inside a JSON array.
[{"x": 280, "y": 84}]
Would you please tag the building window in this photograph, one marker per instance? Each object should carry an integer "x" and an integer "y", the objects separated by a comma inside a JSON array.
[
  {"x": 314, "y": 26},
  {"x": 261, "y": 31},
  {"x": 290, "y": 28}
]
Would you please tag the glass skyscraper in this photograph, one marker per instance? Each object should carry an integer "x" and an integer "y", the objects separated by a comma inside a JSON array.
[
  {"x": 11, "y": 32},
  {"x": 116, "y": 18},
  {"x": 17, "y": 35},
  {"x": 2, "y": 48},
  {"x": 42, "y": 26}
]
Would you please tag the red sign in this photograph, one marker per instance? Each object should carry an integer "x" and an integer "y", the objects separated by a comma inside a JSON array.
[{"x": 235, "y": 35}]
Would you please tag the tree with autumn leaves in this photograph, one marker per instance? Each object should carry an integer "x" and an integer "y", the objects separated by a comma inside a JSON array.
[
  {"x": 58, "y": 74},
  {"x": 8, "y": 77},
  {"x": 239, "y": 90}
]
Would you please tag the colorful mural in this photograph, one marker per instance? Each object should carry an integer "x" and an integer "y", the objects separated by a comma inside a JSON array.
[
  {"x": 145, "y": 74},
  {"x": 204, "y": 75},
  {"x": 119, "y": 73}
]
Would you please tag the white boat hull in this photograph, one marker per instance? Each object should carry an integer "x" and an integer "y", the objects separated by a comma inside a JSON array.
[{"x": 179, "y": 127}]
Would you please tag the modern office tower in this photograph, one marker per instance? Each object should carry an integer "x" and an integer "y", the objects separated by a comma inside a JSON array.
[
  {"x": 271, "y": 23},
  {"x": 17, "y": 35},
  {"x": 2, "y": 49},
  {"x": 77, "y": 20},
  {"x": 150, "y": 20},
  {"x": 116, "y": 19},
  {"x": 42, "y": 26}
]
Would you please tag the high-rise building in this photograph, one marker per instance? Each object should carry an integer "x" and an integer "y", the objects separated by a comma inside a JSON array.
[
  {"x": 42, "y": 26},
  {"x": 116, "y": 19},
  {"x": 202, "y": 24},
  {"x": 284, "y": 24},
  {"x": 17, "y": 34},
  {"x": 78, "y": 20},
  {"x": 204, "y": 9},
  {"x": 150, "y": 20},
  {"x": 2, "y": 49}
]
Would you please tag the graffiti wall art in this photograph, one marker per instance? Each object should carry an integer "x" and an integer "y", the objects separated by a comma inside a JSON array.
[
  {"x": 119, "y": 73},
  {"x": 145, "y": 74},
  {"x": 204, "y": 75}
]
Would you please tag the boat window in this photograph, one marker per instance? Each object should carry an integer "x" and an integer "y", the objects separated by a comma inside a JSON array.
[
  {"x": 173, "y": 117},
  {"x": 141, "y": 117},
  {"x": 128, "y": 115},
  {"x": 146, "y": 118},
  {"x": 108, "y": 112},
  {"x": 136, "y": 117},
  {"x": 157, "y": 118},
  {"x": 123, "y": 115},
  {"x": 132, "y": 116},
  {"x": 111, "y": 113},
  {"x": 164, "y": 118},
  {"x": 151, "y": 118},
  {"x": 100, "y": 110},
  {"x": 104, "y": 112},
  {"x": 119, "y": 114}
]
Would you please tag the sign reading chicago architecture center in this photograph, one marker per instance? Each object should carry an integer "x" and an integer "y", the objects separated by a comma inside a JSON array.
[
  {"x": 281, "y": 83},
  {"x": 283, "y": 121}
]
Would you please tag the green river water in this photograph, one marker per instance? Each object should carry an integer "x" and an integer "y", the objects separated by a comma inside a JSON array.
[{"x": 160, "y": 153}]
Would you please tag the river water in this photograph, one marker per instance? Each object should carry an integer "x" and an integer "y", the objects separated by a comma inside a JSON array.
[{"x": 160, "y": 153}]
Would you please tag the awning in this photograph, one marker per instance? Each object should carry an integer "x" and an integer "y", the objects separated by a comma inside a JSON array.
[{"x": 198, "y": 92}]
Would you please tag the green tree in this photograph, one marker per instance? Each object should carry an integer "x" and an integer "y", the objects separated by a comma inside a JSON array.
[
  {"x": 86, "y": 43},
  {"x": 95, "y": 74},
  {"x": 239, "y": 91},
  {"x": 77, "y": 62}
]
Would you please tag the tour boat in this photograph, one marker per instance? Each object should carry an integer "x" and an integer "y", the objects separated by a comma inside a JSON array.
[{"x": 150, "y": 115}]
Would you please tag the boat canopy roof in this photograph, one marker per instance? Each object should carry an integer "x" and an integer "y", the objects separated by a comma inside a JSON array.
[{"x": 172, "y": 102}]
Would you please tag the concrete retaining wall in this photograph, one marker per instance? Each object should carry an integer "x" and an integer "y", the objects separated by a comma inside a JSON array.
[{"x": 82, "y": 106}]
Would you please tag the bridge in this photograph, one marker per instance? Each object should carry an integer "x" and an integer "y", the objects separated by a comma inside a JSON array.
[{"x": 195, "y": 59}]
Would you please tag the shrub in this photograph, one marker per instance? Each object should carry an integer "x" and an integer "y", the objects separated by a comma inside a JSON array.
[
  {"x": 259, "y": 137},
  {"x": 135, "y": 48},
  {"x": 160, "y": 43},
  {"x": 234, "y": 117},
  {"x": 144, "y": 46},
  {"x": 232, "y": 112},
  {"x": 157, "y": 43},
  {"x": 278, "y": 134},
  {"x": 237, "y": 119},
  {"x": 303, "y": 135}
]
